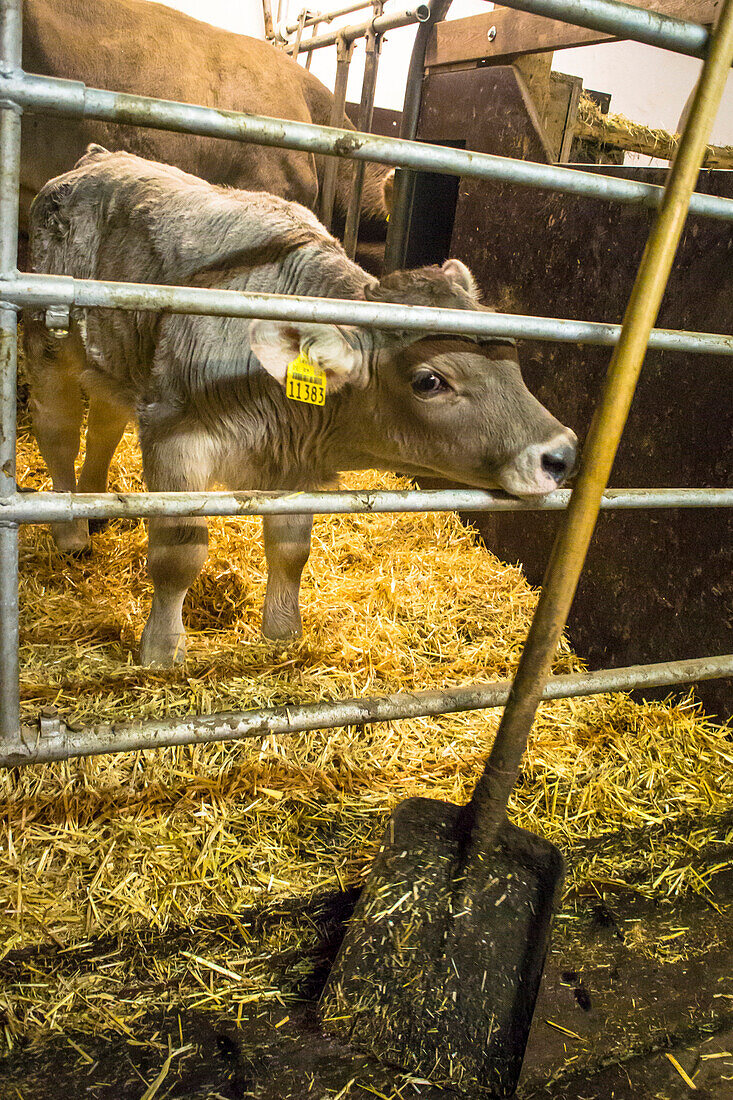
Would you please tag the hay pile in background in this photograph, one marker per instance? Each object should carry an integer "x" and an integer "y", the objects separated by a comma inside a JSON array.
[
  {"x": 148, "y": 842},
  {"x": 621, "y": 132}
]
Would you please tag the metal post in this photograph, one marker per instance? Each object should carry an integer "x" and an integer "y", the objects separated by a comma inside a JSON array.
[
  {"x": 267, "y": 16},
  {"x": 404, "y": 184},
  {"x": 299, "y": 35},
  {"x": 309, "y": 58},
  {"x": 10, "y": 49},
  {"x": 488, "y": 805},
  {"x": 344, "y": 53},
  {"x": 366, "y": 115}
]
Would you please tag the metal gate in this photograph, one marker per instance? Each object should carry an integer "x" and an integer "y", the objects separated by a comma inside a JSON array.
[{"x": 50, "y": 739}]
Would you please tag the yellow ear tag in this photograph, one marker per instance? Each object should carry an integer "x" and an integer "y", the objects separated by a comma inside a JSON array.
[{"x": 304, "y": 381}]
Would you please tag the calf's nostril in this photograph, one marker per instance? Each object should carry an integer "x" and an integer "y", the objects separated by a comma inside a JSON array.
[{"x": 559, "y": 462}]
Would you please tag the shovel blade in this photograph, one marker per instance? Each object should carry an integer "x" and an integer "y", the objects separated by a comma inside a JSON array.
[{"x": 443, "y": 981}]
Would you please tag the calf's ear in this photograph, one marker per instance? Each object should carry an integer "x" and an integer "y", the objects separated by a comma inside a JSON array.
[
  {"x": 458, "y": 273},
  {"x": 277, "y": 343}
]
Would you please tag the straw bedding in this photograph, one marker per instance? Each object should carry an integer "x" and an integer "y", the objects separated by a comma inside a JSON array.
[{"x": 136, "y": 845}]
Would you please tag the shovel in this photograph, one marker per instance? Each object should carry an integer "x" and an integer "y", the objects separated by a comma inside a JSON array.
[{"x": 440, "y": 967}]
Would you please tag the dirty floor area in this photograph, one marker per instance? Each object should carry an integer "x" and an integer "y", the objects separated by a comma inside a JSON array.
[{"x": 167, "y": 918}]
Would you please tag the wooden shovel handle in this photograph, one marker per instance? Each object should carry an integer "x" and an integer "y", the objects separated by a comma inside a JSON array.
[{"x": 487, "y": 808}]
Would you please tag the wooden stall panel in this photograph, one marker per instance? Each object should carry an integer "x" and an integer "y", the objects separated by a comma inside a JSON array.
[
  {"x": 517, "y": 32},
  {"x": 658, "y": 585}
]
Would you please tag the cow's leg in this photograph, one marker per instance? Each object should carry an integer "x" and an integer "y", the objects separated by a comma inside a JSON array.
[
  {"x": 106, "y": 422},
  {"x": 177, "y": 550},
  {"x": 57, "y": 407},
  {"x": 287, "y": 546}
]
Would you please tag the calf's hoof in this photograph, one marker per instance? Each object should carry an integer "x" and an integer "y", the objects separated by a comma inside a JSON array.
[
  {"x": 72, "y": 538},
  {"x": 280, "y": 616},
  {"x": 162, "y": 650},
  {"x": 279, "y": 629}
]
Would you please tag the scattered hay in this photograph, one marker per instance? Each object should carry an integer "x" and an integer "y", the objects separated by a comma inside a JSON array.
[{"x": 143, "y": 843}]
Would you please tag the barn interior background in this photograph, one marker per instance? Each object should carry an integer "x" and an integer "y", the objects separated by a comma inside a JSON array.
[
  {"x": 656, "y": 100},
  {"x": 152, "y": 899}
]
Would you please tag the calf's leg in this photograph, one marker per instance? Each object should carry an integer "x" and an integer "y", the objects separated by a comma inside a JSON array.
[
  {"x": 106, "y": 421},
  {"x": 57, "y": 407},
  {"x": 177, "y": 548},
  {"x": 287, "y": 546}
]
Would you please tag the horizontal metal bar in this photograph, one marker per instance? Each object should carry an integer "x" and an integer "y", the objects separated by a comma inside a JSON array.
[
  {"x": 47, "y": 507},
  {"x": 623, "y": 21},
  {"x": 381, "y": 24},
  {"x": 59, "y": 290},
  {"x": 322, "y": 17},
  {"x": 57, "y": 742},
  {"x": 69, "y": 97}
]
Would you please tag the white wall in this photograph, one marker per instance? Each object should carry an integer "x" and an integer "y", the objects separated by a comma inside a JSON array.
[
  {"x": 648, "y": 85},
  {"x": 240, "y": 16}
]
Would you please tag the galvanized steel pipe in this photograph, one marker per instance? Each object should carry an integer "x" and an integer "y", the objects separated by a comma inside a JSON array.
[
  {"x": 10, "y": 51},
  {"x": 322, "y": 17},
  {"x": 55, "y": 741},
  {"x": 403, "y": 192},
  {"x": 366, "y": 115},
  {"x": 380, "y": 25},
  {"x": 344, "y": 53},
  {"x": 69, "y": 97},
  {"x": 48, "y": 507},
  {"x": 623, "y": 21},
  {"x": 60, "y": 290}
]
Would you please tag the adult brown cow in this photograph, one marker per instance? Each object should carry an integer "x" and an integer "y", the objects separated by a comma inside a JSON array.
[{"x": 147, "y": 49}]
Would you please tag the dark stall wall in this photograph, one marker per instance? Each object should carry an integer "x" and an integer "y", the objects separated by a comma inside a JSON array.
[{"x": 658, "y": 585}]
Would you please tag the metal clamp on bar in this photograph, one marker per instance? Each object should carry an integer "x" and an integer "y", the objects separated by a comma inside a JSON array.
[
  {"x": 58, "y": 319},
  {"x": 52, "y": 730}
]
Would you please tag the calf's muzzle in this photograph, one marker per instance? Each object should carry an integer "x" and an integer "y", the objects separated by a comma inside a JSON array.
[{"x": 542, "y": 467}]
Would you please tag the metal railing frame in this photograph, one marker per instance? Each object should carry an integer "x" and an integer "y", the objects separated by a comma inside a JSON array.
[
  {"x": 344, "y": 38},
  {"x": 378, "y": 25},
  {"x": 52, "y": 740},
  {"x": 316, "y": 17}
]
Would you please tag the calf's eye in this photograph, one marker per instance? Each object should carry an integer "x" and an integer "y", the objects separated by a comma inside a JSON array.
[{"x": 427, "y": 383}]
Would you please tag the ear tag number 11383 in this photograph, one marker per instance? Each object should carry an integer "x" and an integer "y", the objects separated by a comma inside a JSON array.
[{"x": 305, "y": 381}]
